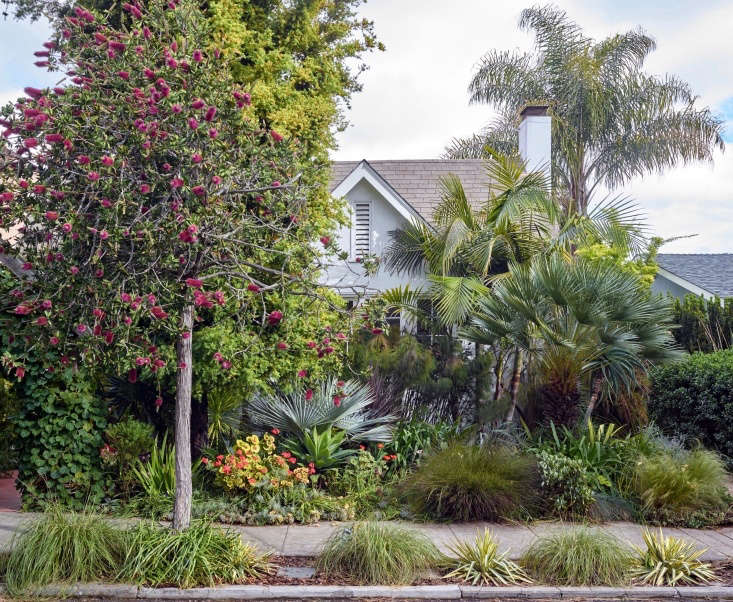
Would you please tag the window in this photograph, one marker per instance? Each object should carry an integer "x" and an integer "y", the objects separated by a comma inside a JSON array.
[{"x": 362, "y": 232}]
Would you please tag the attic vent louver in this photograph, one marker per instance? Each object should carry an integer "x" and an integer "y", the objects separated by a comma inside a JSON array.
[{"x": 362, "y": 229}]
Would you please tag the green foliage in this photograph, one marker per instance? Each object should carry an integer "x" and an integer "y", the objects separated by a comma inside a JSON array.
[
  {"x": 644, "y": 269},
  {"x": 201, "y": 555},
  {"x": 565, "y": 483},
  {"x": 335, "y": 404},
  {"x": 704, "y": 324},
  {"x": 363, "y": 481},
  {"x": 481, "y": 563},
  {"x": 684, "y": 488},
  {"x": 471, "y": 482},
  {"x": 9, "y": 406},
  {"x": 323, "y": 449},
  {"x": 157, "y": 476},
  {"x": 578, "y": 556},
  {"x": 669, "y": 561},
  {"x": 374, "y": 553},
  {"x": 128, "y": 440},
  {"x": 59, "y": 427},
  {"x": 411, "y": 439},
  {"x": 64, "y": 548},
  {"x": 693, "y": 399}
]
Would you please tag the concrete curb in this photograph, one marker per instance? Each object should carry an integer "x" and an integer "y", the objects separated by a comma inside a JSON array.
[{"x": 350, "y": 592}]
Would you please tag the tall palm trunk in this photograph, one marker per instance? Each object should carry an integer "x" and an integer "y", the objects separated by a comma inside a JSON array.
[
  {"x": 516, "y": 375},
  {"x": 184, "y": 486},
  {"x": 595, "y": 393}
]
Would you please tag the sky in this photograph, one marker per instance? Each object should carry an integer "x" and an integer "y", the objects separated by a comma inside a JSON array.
[{"x": 415, "y": 100}]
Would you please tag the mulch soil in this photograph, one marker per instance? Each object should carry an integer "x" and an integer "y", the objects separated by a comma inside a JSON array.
[{"x": 724, "y": 570}]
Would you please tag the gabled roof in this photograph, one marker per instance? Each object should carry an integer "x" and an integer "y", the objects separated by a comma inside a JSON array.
[
  {"x": 712, "y": 272},
  {"x": 417, "y": 181}
]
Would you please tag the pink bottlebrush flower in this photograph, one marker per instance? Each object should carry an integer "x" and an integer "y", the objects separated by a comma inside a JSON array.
[
  {"x": 149, "y": 73},
  {"x": 107, "y": 160},
  {"x": 308, "y": 395},
  {"x": 81, "y": 328},
  {"x": 105, "y": 203},
  {"x": 377, "y": 331},
  {"x": 151, "y": 299},
  {"x": 59, "y": 91},
  {"x": 176, "y": 108},
  {"x": 158, "y": 363},
  {"x": 197, "y": 56},
  {"x": 93, "y": 176},
  {"x": 68, "y": 145},
  {"x": 274, "y": 317},
  {"x": 147, "y": 34},
  {"x": 100, "y": 38},
  {"x": 210, "y": 114},
  {"x": 176, "y": 183},
  {"x": 276, "y": 184},
  {"x": 117, "y": 46},
  {"x": 325, "y": 240},
  {"x": 98, "y": 313},
  {"x": 193, "y": 123},
  {"x": 41, "y": 63},
  {"x": 186, "y": 334},
  {"x": 124, "y": 75},
  {"x": 30, "y": 142},
  {"x": 218, "y": 356},
  {"x": 275, "y": 136},
  {"x": 142, "y": 361},
  {"x": 74, "y": 270},
  {"x": 197, "y": 158},
  {"x": 198, "y": 104},
  {"x": 19, "y": 372},
  {"x": 158, "y": 312},
  {"x": 199, "y": 190},
  {"x": 54, "y": 138},
  {"x": 158, "y": 402},
  {"x": 132, "y": 376},
  {"x": 97, "y": 330},
  {"x": 167, "y": 167},
  {"x": 66, "y": 34},
  {"x": 33, "y": 92},
  {"x": 127, "y": 320},
  {"x": 126, "y": 298},
  {"x": 194, "y": 282},
  {"x": 216, "y": 180},
  {"x": 328, "y": 350},
  {"x": 41, "y": 53},
  {"x": 99, "y": 272},
  {"x": 6, "y": 197},
  {"x": 253, "y": 288},
  {"x": 213, "y": 133},
  {"x": 52, "y": 216},
  {"x": 22, "y": 310},
  {"x": 104, "y": 235},
  {"x": 341, "y": 336},
  {"x": 23, "y": 184},
  {"x": 182, "y": 365},
  {"x": 27, "y": 265},
  {"x": 302, "y": 373},
  {"x": 144, "y": 188},
  {"x": 54, "y": 341},
  {"x": 83, "y": 159},
  {"x": 311, "y": 344},
  {"x": 57, "y": 194},
  {"x": 219, "y": 297},
  {"x": 226, "y": 364},
  {"x": 326, "y": 340}
]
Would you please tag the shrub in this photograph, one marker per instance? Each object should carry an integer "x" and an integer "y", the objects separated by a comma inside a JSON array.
[
  {"x": 374, "y": 553},
  {"x": 63, "y": 548},
  {"x": 669, "y": 561},
  {"x": 471, "y": 482},
  {"x": 361, "y": 480},
  {"x": 412, "y": 439},
  {"x": 693, "y": 399},
  {"x": 482, "y": 563},
  {"x": 686, "y": 488},
  {"x": 704, "y": 324},
  {"x": 59, "y": 430},
  {"x": 565, "y": 484},
  {"x": 201, "y": 555},
  {"x": 578, "y": 556},
  {"x": 128, "y": 441}
]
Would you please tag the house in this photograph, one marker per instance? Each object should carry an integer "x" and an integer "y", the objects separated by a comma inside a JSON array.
[
  {"x": 387, "y": 195},
  {"x": 706, "y": 274}
]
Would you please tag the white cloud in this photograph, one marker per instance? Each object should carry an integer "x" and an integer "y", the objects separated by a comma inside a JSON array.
[{"x": 415, "y": 99}]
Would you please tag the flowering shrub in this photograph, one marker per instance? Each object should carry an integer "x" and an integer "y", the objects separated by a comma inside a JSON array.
[
  {"x": 565, "y": 483},
  {"x": 254, "y": 466}
]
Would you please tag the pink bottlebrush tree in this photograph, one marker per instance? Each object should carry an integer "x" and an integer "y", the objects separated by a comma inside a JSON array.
[{"x": 142, "y": 196}]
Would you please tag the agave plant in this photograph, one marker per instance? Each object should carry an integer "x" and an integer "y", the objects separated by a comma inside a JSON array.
[
  {"x": 332, "y": 406},
  {"x": 481, "y": 562},
  {"x": 670, "y": 561}
]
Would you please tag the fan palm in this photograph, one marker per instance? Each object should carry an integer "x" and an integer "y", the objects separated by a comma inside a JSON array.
[
  {"x": 595, "y": 312},
  {"x": 298, "y": 413},
  {"x": 611, "y": 121}
]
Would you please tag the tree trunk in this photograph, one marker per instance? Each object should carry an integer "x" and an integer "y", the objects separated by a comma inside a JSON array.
[
  {"x": 595, "y": 393},
  {"x": 184, "y": 486},
  {"x": 516, "y": 375},
  {"x": 499, "y": 376}
]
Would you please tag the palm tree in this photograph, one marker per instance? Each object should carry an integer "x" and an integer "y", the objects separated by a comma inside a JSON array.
[
  {"x": 611, "y": 121},
  {"x": 594, "y": 312}
]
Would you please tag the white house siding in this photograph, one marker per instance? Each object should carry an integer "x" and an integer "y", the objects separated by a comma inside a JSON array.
[
  {"x": 664, "y": 286},
  {"x": 384, "y": 218}
]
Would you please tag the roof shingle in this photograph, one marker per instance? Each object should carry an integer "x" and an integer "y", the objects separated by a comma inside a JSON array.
[
  {"x": 711, "y": 271},
  {"x": 418, "y": 181}
]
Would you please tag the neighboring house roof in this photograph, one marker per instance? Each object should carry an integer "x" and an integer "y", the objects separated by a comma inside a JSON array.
[
  {"x": 418, "y": 181},
  {"x": 712, "y": 272}
]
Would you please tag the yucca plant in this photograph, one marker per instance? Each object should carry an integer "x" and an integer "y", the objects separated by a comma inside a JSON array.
[
  {"x": 157, "y": 476},
  {"x": 669, "y": 561},
  {"x": 345, "y": 408},
  {"x": 481, "y": 562}
]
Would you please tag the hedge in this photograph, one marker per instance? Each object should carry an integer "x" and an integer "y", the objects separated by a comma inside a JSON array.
[{"x": 693, "y": 399}]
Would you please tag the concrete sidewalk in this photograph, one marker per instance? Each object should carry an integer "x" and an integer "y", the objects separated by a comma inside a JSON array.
[{"x": 306, "y": 540}]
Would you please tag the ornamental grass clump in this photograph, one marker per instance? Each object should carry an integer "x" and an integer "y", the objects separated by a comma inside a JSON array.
[
  {"x": 578, "y": 556},
  {"x": 481, "y": 563},
  {"x": 669, "y": 561},
  {"x": 63, "y": 548},
  {"x": 202, "y": 555},
  {"x": 682, "y": 487},
  {"x": 472, "y": 482},
  {"x": 373, "y": 553}
]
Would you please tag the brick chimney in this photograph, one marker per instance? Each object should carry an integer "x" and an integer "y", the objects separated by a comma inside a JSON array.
[{"x": 535, "y": 137}]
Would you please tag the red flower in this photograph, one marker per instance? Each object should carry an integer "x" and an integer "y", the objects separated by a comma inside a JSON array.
[
  {"x": 275, "y": 136},
  {"x": 193, "y": 123},
  {"x": 274, "y": 318},
  {"x": 377, "y": 331},
  {"x": 282, "y": 345},
  {"x": 93, "y": 176},
  {"x": 204, "y": 460},
  {"x": 46, "y": 304},
  {"x": 325, "y": 240},
  {"x": 253, "y": 287},
  {"x": 158, "y": 312},
  {"x": 107, "y": 160},
  {"x": 337, "y": 400},
  {"x": 42, "y": 321},
  {"x": 380, "y": 445},
  {"x": 54, "y": 341},
  {"x": 19, "y": 372},
  {"x": 199, "y": 190},
  {"x": 176, "y": 183},
  {"x": 308, "y": 395},
  {"x": 275, "y": 431},
  {"x": 302, "y": 373},
  {"x": 194, "y": 283},
  {"x": 81, "y": 328},
  {"x": 197, "y": 56},
  {"x": 311, "y": 344},
  {"x": 158, "y": 402},
  {"x": 210, "y": 114}
]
